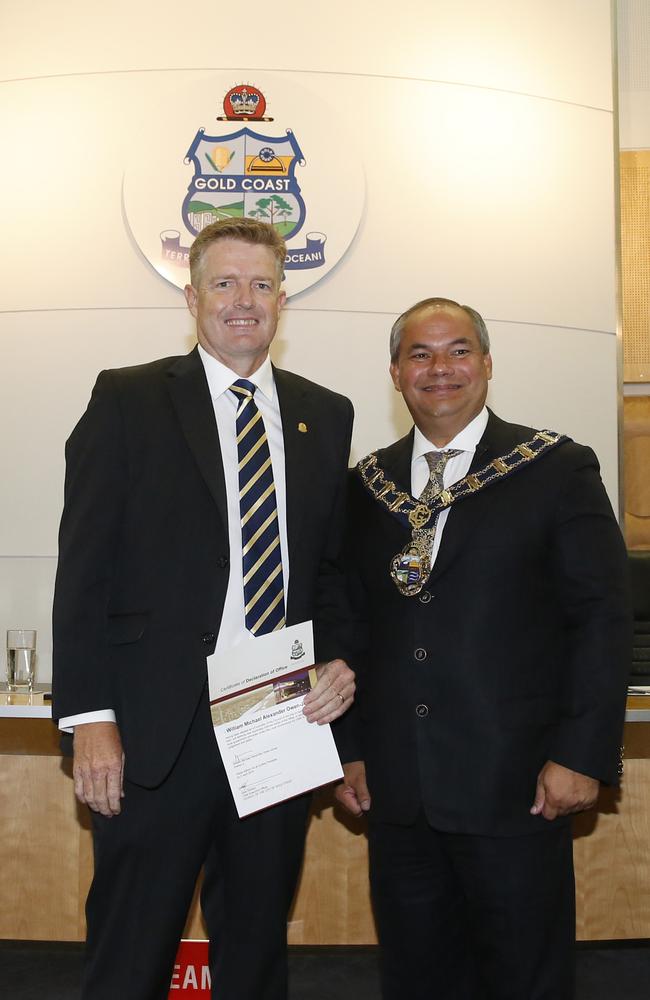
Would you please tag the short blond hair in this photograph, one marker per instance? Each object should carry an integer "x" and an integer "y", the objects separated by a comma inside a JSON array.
[{"x": 244, "y": 230}]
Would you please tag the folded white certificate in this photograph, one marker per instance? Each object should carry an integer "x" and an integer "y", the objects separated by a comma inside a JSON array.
[{"x": 269, "y": 750}]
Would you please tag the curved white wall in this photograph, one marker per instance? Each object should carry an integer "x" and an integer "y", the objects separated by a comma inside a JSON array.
[{"x": 485, "y": 132}]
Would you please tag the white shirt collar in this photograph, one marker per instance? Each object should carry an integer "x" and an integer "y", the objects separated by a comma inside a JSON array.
[
  {"x": 465, "y": 440},
  {"x": 220, "y": 377}
]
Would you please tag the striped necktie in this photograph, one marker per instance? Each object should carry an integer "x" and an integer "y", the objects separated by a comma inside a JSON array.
[{"x": 260, "y": 535}]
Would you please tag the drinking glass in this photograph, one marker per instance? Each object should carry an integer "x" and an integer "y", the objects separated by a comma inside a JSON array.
[{"x": 21, "y": 658}]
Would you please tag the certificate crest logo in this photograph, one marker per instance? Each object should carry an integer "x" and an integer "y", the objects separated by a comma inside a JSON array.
[
  {"x": 248, "y": 165},
  {"x": 297, "y": 650}
]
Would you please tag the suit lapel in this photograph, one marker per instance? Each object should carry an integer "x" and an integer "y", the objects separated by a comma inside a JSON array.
[
  {"x": 467, "y": 515},
  {"x": 190, "y": 395},
  {"x": 396, "y": 461}
]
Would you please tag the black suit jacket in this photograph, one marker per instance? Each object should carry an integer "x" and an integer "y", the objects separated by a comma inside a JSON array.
[
  {"x": 517, "y": 648},
  {"x": 143, "y": 547}
]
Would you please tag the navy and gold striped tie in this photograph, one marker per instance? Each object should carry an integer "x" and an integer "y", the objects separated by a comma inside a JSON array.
[{"x": 262, "y": 563}]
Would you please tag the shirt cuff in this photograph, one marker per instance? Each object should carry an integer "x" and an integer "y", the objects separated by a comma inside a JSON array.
[{"x": 67, "y": 724}]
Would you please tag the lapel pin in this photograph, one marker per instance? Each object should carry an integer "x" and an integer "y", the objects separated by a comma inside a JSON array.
[{"x": 302, "y": 427}]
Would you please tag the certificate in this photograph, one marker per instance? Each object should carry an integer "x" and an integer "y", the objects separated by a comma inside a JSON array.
[{"x": 269, "y": 750}]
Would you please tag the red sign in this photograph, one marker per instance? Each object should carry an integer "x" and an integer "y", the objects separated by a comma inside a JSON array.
[{"x": 191, "y": 975}]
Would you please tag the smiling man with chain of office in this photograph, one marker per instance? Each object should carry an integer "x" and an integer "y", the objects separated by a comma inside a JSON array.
[{"x": 489, "y": 581}]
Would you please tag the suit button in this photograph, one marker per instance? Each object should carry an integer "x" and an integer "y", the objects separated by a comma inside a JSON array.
[
  {"x": 420, "y": 654},
  {"x": 422, "y": 711},
  {"x": 222, "y": 562},
  {"x": 425, "y": 597},
  {"x": 208, "y": 638}
]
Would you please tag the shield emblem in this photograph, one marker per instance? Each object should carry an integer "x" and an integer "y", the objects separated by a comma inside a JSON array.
[{"x": 244, "y": 174}]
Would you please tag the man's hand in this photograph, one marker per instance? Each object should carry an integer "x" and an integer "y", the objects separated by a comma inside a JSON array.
[
  {"x": 561, "y": 791},
  {"x": 332, "y": 695},
  {"x": 98, "y": 767},
  {"x": 353, "y": 792}
]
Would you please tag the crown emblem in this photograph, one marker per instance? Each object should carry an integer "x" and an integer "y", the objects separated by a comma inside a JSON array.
[{"x": 244, "y": 103}]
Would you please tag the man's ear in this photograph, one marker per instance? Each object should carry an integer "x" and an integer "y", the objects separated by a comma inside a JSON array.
[
  {"x": 190, "y": 297},
  {"x": 394, "y": 374}
]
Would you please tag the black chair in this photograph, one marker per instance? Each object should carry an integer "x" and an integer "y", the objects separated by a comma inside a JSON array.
[{"x": 639, "y": 564}]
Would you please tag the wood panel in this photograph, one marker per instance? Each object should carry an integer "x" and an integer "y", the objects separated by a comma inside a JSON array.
[
  {"x": 333, "y": 900},
  {"x": 29, "y": 736},
  {"x": 612, "y": 860},
  {"x": 635, "y": 263},
  {"x": 43, "y": 892},
  {"x": 41, "y": 831},
  {"x": 332, "y": 904},
  {"x": 195, "y": 927},
  {"x": 636, "y": 434}
]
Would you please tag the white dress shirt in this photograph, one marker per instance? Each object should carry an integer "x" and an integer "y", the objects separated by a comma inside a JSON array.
[
  {"x": 465, "y": 442},
  {"x": 233, "y": 628}
]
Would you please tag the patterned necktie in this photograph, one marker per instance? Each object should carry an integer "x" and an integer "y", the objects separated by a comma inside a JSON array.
[
  {"x": 436, "y": 460},
  {"x": 262, "y": 565}
]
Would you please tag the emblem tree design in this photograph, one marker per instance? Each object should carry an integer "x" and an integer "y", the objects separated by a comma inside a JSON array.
[{"x": 272, "y": 208}]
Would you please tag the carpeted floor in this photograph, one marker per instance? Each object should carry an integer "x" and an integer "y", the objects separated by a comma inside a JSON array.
[{"x": 48, "y": 971}]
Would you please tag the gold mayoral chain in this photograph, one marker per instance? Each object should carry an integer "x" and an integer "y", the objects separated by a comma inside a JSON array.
[{"x": 410, "y": 569}]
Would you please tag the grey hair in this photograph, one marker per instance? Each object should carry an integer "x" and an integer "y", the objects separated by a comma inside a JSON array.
[{"x": 477, "y": 322}]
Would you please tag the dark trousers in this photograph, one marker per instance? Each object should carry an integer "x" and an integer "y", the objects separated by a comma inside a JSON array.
[
  {"x": 147, "y": 861},
  {"x": 464, "y": 917}
]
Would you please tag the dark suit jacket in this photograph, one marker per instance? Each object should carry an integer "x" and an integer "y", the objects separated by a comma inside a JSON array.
[
  {"x": 518, "y": 647},
  {"x": 143, "y": 547}
]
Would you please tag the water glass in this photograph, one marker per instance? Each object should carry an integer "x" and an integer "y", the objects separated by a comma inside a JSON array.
[{"x": 21, "y": 658}]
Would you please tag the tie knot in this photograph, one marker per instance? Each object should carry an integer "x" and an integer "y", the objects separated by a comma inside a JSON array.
[
  {"x": 437, "y": 460},
  {"x": 243, "y": 389}
]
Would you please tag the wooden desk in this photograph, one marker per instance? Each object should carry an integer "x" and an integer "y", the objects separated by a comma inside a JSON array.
[
  {"x": 42, "y": 831},
  {"x": 611, "y": 846},
  {"x": 43, "y": 892}
]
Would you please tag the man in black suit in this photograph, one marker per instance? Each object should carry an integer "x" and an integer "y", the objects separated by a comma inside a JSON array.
[
  {"x": 490, "y": 588},
  {"x": 151, "y": 580}
]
